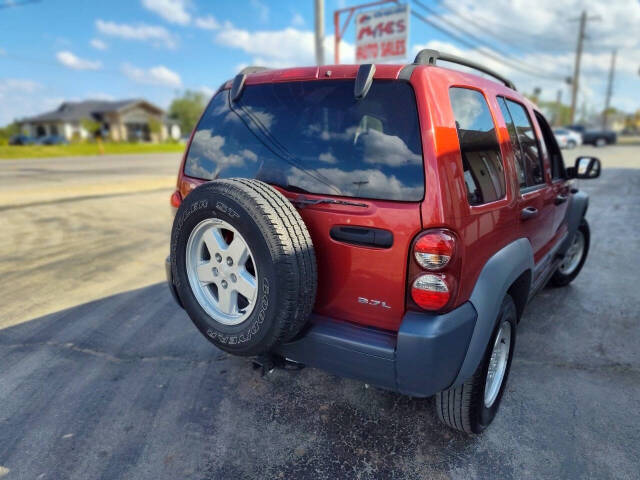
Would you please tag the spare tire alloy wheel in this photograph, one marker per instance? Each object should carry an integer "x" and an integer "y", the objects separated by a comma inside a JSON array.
[
  {"x": 221, "y": 271},
  {"x": 243, "y": 265}
]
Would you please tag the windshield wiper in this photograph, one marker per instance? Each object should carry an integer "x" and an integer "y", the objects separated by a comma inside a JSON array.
[{"x": 303, "y": 201}]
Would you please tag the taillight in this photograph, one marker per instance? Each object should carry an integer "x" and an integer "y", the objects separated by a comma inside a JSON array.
[
  {"x": 433, "y": 270},
  {"x": 433, "y": 250},
  {"x": 431, "y": 291},
  {"x": 176, "y": 199}
]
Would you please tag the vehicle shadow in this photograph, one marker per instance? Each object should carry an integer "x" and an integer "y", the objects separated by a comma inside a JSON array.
[{"x": 126, "y": 387}]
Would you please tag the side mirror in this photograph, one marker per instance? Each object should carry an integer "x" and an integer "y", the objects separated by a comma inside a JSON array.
[{"x": 585, "y": 167}]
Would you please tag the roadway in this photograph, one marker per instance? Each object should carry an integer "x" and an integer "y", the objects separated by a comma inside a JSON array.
[{"x": 102, "y": 376}]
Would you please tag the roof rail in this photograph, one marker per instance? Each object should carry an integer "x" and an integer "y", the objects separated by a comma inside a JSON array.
[{"x": 429, "y": 57}]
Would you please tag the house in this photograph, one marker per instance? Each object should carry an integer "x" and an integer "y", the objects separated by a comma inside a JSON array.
[{"x": 124, "y": 120}]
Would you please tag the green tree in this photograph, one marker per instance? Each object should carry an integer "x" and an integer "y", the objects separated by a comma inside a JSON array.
[
  {"x": 91, "y": 126},
  {"x": 8, "y": 131},
  {"x": 155, "y": 127},
  {"x": 186, "y": 110}
]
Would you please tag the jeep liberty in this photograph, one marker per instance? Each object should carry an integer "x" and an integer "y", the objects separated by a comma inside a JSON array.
[{"x": 386, "y": 223}]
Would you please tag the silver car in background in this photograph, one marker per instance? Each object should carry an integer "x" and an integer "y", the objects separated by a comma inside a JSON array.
[{"x": 567, "y": 138}]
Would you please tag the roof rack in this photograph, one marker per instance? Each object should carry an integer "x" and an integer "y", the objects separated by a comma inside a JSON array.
[{"x": 429, "y": 57}]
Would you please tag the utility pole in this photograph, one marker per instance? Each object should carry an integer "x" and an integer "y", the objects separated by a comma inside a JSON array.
[
  {"x": 607, "y": 101},
  {"x": 558, "y": 117},
  {"x": 575, "y": 81},
  {"x": 319, "y": 12}
]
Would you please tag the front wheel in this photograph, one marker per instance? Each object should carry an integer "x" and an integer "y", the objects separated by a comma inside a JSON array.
[
  {"x": 472, "y": 406},
  {"x": 574, "y": 258},
  {"x": 601, "y": 142}
]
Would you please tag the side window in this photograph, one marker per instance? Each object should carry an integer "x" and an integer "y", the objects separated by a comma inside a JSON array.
[
  {"x": 481, "y": 159},
  {"x": 555, "y": 157},
  {"x": 531, "y": 160},
  {"x": 513, "y": 136}
]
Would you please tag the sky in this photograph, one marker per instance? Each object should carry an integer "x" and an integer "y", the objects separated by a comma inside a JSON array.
[{"x": 67, "y": 50}]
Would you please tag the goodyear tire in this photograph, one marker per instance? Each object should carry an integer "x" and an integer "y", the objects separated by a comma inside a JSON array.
[
  {"x": 472, "y": 406},
  {"x": 243, "y": 265}
]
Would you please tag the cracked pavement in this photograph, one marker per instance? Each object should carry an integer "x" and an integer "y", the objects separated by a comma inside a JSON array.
[{"x": 102, "y": 376}]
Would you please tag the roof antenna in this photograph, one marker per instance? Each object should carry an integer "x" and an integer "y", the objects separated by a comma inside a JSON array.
[{"x": 364, "y": 78}]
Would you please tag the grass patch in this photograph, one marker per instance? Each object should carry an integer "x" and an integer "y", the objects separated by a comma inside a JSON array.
[{"x": 78, "y": 149}]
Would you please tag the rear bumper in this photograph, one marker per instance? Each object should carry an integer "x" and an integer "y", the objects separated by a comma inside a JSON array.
[{"x": 421, "y": 359}]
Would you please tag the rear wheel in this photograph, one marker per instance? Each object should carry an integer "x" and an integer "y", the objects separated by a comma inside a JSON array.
[
  {"x": 571, "y": 144},
  {"x": 574, "y": 258},
  {"x": 601, "y": 142},
  {"x": 472, "y": 406}
]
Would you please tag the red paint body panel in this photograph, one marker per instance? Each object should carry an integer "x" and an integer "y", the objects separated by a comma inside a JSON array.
[{"x": 347, "y": 272}]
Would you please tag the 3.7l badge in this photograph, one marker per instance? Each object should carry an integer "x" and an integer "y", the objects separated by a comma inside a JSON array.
[{"x": 373, "y": 303}]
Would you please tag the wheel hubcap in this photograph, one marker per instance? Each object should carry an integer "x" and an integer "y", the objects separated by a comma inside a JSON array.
[
  {"x": 574, "y": 255},
  {"x": 221, "y": 271},
  {"x": 497, "y": 364}
]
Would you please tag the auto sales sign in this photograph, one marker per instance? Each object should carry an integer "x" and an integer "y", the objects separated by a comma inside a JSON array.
[{"x": 382, "y": 34}]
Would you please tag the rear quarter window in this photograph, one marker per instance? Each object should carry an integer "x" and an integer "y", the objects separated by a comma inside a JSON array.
[
  {"x": 481, "y": 157},
  {"x": 315, "y": 137}
]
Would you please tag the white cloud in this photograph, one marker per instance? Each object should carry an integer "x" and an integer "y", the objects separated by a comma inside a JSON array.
[
  {"x": 18, "y": 85},
  {"x": 327, "y": 157},
  {"x": 548, "y": 42},
  {"x": 100, "y": 96},
  {"x": 21, "y": 98},
  {"x": 280, "y": 48},
  {"x": 68, "y": 59},
  {"x": 159, "y": 75},
  {"x": 297, "y": 20},
  {"x": 209, "y": 158},
  {"x": 206, "y": 91},
  {"x": 173, "y": 11},
  {"x": 140, "y": 32},
  {"x": 98, "y": 44},
  {"x": 593, "y": 76},
  {"x": 261, "y": 9},
  {"x": 347, "y": 182},
  {"x": 207, "y": 23}
]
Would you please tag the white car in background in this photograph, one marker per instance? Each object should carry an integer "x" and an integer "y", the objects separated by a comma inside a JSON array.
[{"x": 567, "y": 138}]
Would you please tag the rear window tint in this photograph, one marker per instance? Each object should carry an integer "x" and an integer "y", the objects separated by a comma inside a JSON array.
[
  {"x": 481, "y": 158},
  {"x": 315, "y": 137}
]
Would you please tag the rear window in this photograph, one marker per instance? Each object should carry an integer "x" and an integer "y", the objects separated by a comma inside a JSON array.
[{"x": 315, "y": 137}]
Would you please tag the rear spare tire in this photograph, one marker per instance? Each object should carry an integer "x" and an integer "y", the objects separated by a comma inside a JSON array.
[{"x": 243, "y": 265}]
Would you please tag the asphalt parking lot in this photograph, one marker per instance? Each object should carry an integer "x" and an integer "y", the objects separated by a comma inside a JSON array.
[{"x": 102, "y": 376}]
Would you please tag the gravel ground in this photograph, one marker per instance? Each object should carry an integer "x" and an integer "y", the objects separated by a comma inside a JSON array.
[{"x": 102, "y": 376}]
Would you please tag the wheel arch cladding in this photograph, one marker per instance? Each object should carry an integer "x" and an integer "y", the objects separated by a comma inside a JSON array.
[
  {"x": 576, "y": 211},
  {"x": 499, "y": 274}
]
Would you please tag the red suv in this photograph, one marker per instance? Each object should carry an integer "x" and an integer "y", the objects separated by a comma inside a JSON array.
[{"x": 386, "y": 223}]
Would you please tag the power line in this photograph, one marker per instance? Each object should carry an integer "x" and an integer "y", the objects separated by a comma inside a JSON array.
[
  {"x": 508, "y": 58},
  {"x": 469, "y": 44},
  {"x": 490, "y": 32}
]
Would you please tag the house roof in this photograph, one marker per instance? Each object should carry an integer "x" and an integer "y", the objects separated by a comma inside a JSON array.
[{"x": 92, "y": 109}]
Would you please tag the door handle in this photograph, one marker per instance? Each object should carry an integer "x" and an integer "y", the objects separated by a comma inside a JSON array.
[
  {"x": 560, "y": 199},
  {"x": 528, "y": 213}
]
